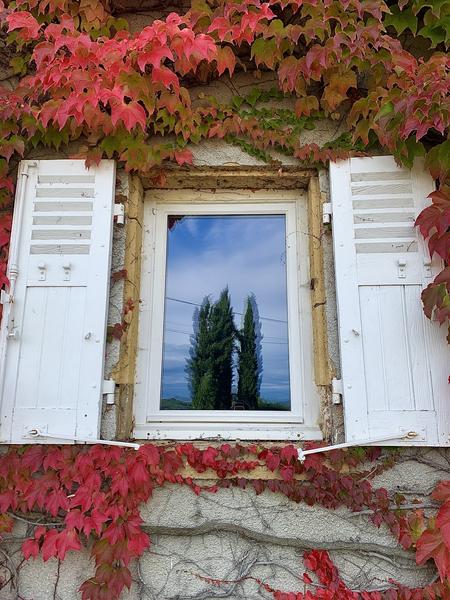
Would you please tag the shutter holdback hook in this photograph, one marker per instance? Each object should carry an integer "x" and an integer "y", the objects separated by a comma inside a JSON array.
[
  {"x": 34, "y": 432},
  {"x": 400, "y": 435}
]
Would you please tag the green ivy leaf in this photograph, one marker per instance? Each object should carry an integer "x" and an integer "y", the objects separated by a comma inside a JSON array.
[
  {"x": 253, "y": 97},
  {"x": 119, "y": 24},
  {"x": 401, "y": 20},
  {"x": 435, "y": 6},
  {"x": 19, "y": 64},
  {"x": 438, "y": 161},
  {"x": 112, "y": 144},
  {"x": 265, "y": 52},
  {"x": 53, "y": 136},
  {"x": 276, "y": 27},
  {"x": 386, "y": 109},
  {"x": 434, "y": 33},
  {"x": 237, "y": 101},
  {"x": 414, "y": 150}
]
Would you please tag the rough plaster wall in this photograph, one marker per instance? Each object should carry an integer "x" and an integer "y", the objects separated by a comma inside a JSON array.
[
  {"x": 234, "y": 533},
  {"x": 215, "y": 152},
  {"x": 115, "y": 308}
]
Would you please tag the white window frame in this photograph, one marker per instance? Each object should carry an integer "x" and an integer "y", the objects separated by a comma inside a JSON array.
[{"x": 153, "y": 423}]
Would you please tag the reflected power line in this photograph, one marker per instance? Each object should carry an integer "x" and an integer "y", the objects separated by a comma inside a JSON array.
[
  {"x": 237, "y": 313},
  {"x": 264, "y": 341}
]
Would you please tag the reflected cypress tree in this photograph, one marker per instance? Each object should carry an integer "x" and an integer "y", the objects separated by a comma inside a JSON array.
[
  {"x": 223, "y": 333},
  {"x": 204, "y": 398},
  {"x": 199, "y": 365},
  {"x": 249, "y": 362},
  {"x": 209, "y": 368}
]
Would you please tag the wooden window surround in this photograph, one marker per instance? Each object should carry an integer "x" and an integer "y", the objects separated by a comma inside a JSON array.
[{"x": 209, "y": 180}]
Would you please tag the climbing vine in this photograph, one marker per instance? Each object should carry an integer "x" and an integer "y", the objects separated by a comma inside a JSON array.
[
  {"x": 83, "y": 82},
  {"x": 378, "y": 66},
  {"x": 329, "y": 585},
  {"x": 91, "y": 496}
]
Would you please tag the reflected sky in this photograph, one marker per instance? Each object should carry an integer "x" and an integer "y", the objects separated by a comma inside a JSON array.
[{"x": 204, "y": 255}]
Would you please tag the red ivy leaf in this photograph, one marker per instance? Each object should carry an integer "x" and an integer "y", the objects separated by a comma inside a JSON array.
[
  {"x": 272, "y": 461},
  {"x": 183, "y": 156},
  {"x": 225, "y": 60},
  {"x": 166, "y": 77},
  {"x": 138, "y": 543},
  {"x": 288, "y": 453},
  {"x": 75, "y": 518},
  {"x": 154, "y": 57},
  {"x": 151, "y": 454},
  {"x": 131, "y": 115},
  {"x": 138, "y": 473},
  {"x": 441, "y": 492},
  {"x": 431, "y": 545},
  {"x": 26, "y": 22},
  {"x": 287, "y": 473},
  {"x": 209, "y": 456},
  {"x": 67, "y": 540},
  {"x": 30, "y": 548},
  {"x": 49, "y": 547},
  {"x": 33, "y": 458},
  {"x": 443, "y": 522}
]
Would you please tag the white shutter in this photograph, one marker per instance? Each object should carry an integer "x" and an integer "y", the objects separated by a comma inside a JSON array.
[
  {"x": 53, "y": 331},
  {"x": 395, "y": 362}
]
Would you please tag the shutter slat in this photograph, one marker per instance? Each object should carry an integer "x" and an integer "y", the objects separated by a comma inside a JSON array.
[
  {"x": 62, "y": 207},
  {"x": 53, "y": 371},
  {"x": 394, "y": 360}
]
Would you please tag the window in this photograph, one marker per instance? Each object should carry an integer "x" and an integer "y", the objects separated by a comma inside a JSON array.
[
  {"x": 225, "y": 326},
  {"x": 215, "y": 357},
  {"x": 225, "y": 321}
]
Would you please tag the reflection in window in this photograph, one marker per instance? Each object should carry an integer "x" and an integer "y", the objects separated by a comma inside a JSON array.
[{"x": 225, "y": 321}]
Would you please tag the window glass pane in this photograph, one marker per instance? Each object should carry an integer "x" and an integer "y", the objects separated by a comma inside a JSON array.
[{"x": 225, "y": 321}]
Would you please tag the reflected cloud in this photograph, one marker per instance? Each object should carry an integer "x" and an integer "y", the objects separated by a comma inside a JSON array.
[{"x": 246, "y": 253}]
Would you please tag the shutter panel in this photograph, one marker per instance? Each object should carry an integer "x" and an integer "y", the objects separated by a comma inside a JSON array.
[
  {"x": 53, "y": 333},
  {"x": 395, "y": 362}
]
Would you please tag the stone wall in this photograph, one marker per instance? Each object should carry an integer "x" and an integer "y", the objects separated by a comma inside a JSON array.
[
  {"x": 215, "y": 154},
  {"x": 235, "y": 533}
]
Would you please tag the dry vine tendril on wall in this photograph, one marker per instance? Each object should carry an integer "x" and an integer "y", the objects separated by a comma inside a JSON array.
[
  {"x": 80, "y": 497},
  {"x": 379, "y": 67}
]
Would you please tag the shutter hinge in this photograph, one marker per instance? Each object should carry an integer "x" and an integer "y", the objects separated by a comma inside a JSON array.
[
  {"x": 119, "y": 212},
  {"x": 326, "y": 213},
  {"x": 337, "y": 390},
  {"x": 5, "y": 298},
  {"x": 402, "y": 434},
  {"x": 108, "y": 390}
]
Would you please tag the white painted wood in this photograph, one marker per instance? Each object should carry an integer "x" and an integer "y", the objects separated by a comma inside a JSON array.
[
  {"x": 226, "y": 431},
  {"x": 394, "y": 360},
  {"x": 53, "y": 371},
  {"x": 401, "y": 435},
  {"x": 38, "y": 434},
  {"x": 302, "y": 422}
]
